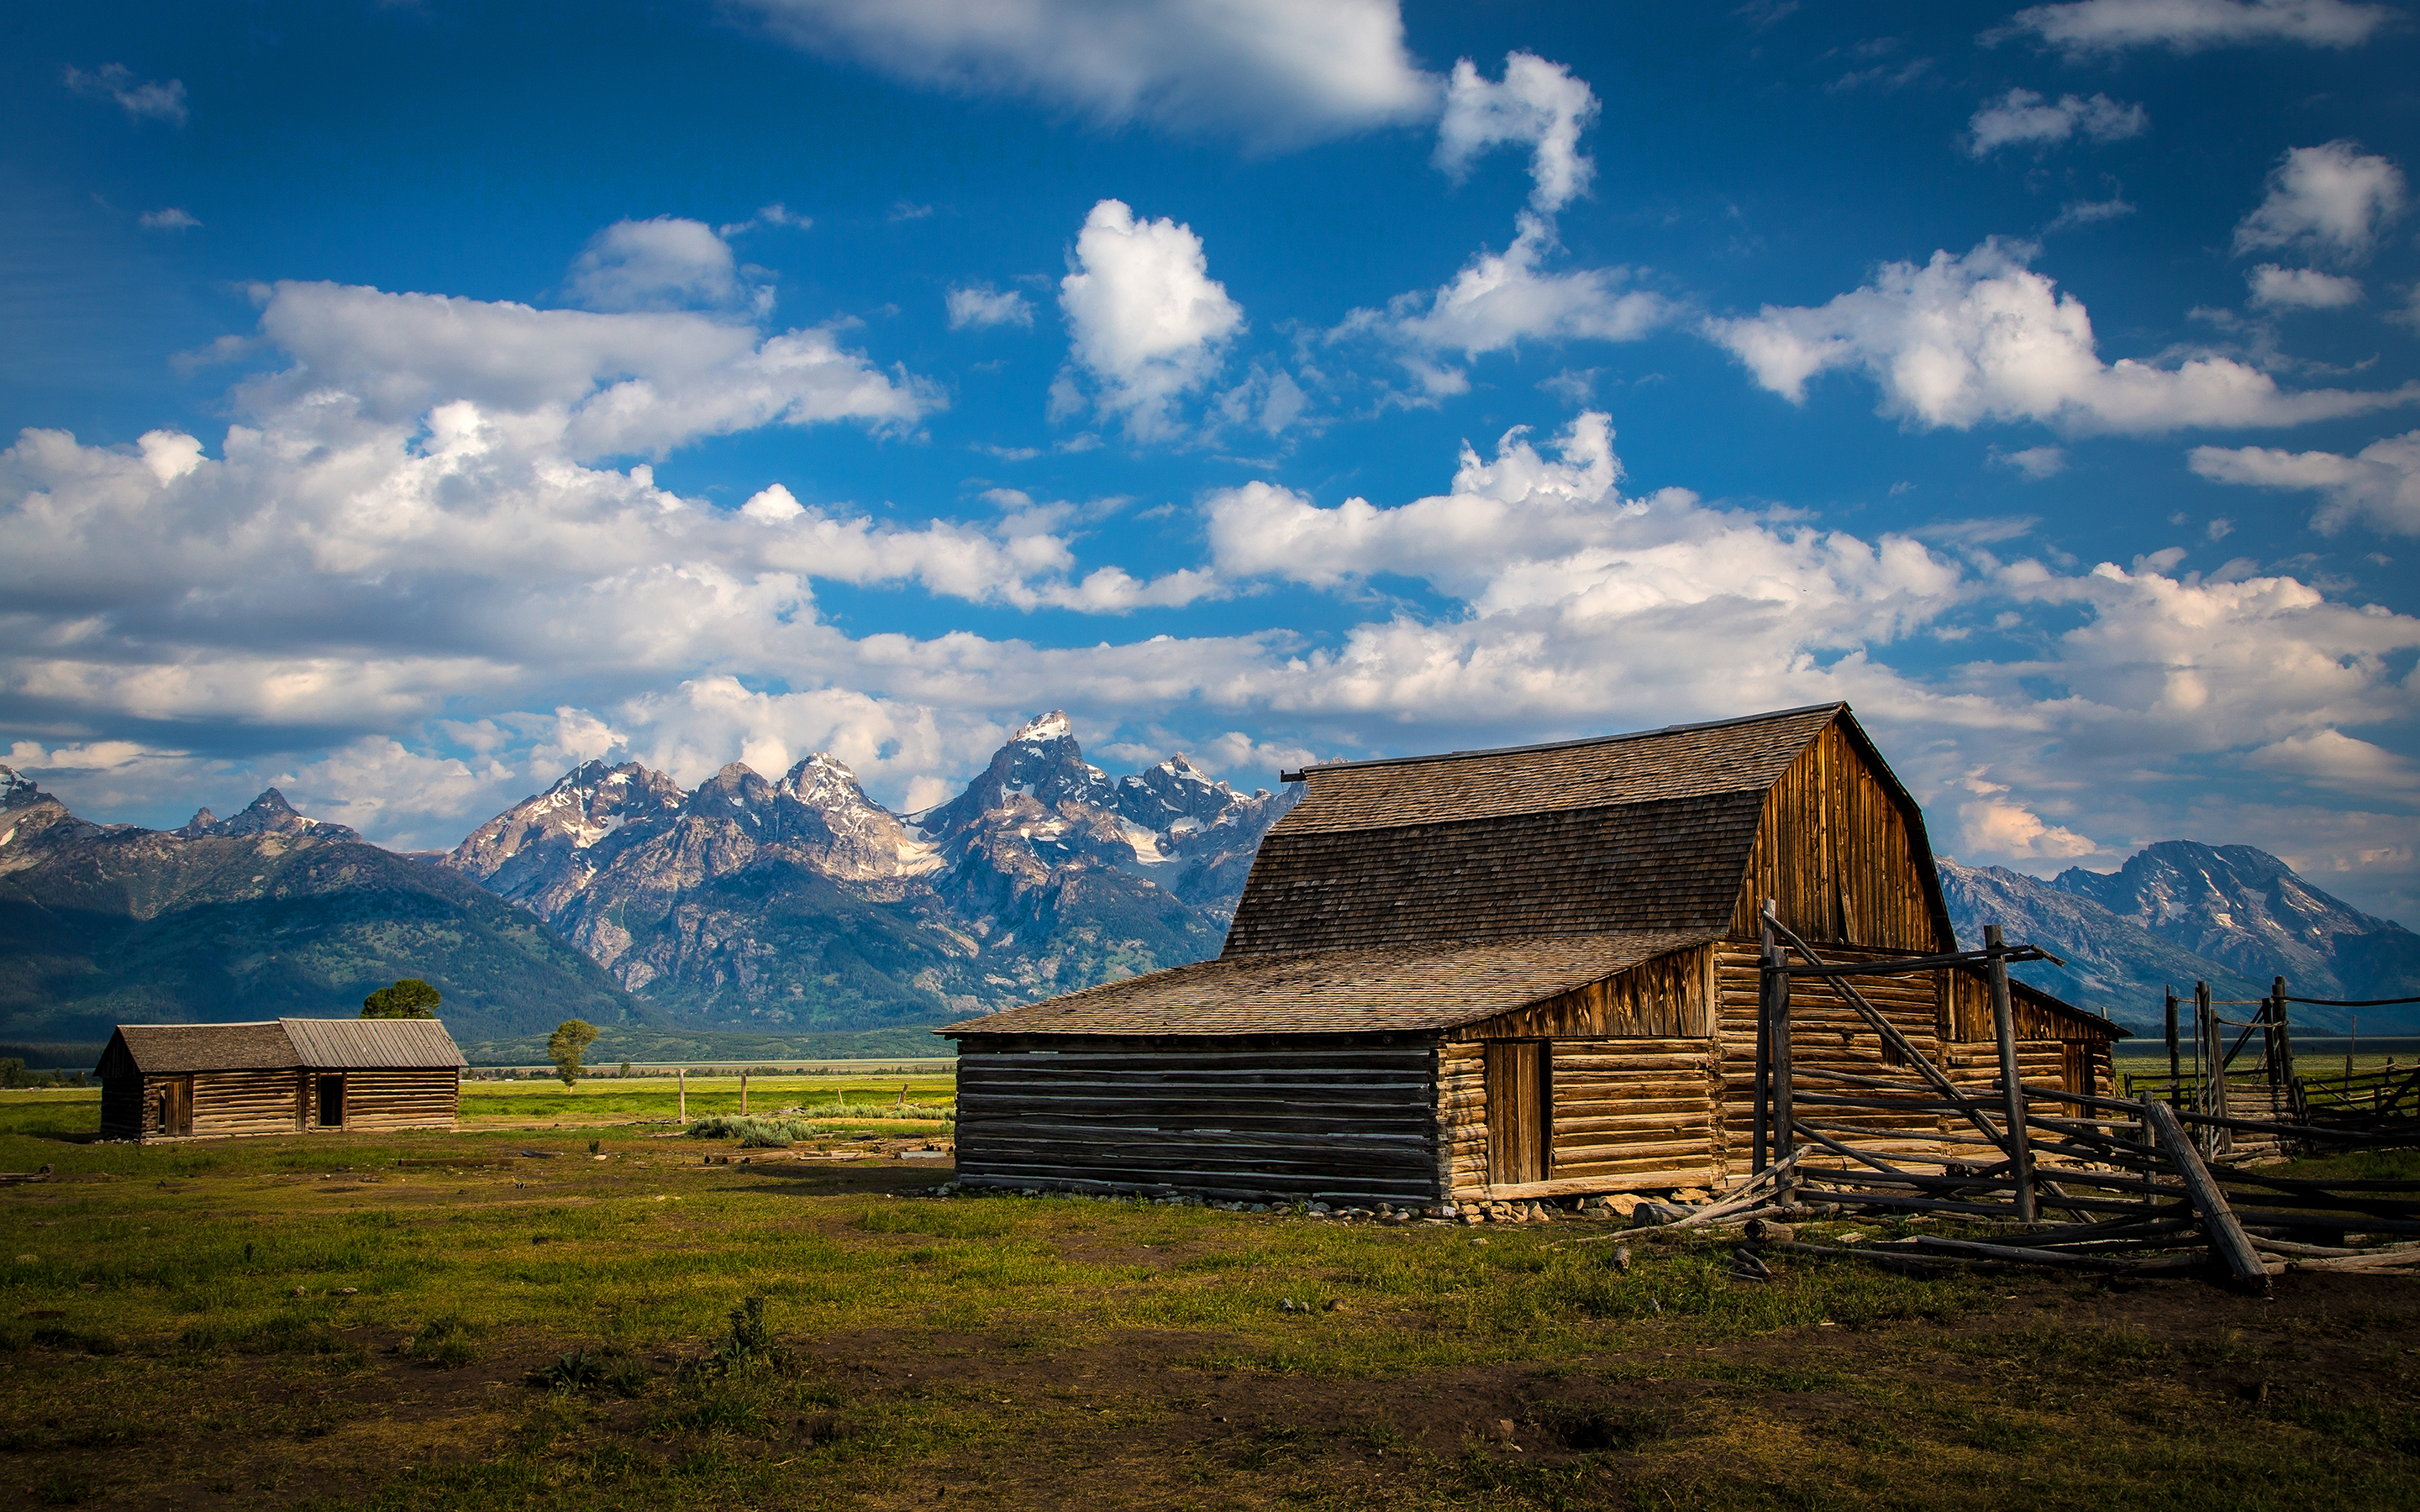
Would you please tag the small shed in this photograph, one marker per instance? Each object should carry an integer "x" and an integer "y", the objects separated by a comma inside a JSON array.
[
  {"x": 175, "y": 1081},
  {"x": 1505, "y": 974}
]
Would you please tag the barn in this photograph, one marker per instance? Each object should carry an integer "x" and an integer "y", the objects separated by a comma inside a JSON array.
[
  {"x": 287, "y": 1077},
  {"x": 1508, "y": 975}
]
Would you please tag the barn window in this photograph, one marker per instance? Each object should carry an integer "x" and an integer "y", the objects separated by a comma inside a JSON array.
[{"x": 332, "y": 1102}]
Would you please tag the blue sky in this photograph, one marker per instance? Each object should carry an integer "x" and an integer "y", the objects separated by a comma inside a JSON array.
[{"x": 412, "y": 400}]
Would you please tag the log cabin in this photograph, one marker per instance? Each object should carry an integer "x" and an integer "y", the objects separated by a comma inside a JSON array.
[
  {"x": 1507, "y": 974},
  {"x": 287, "y": 1077}
]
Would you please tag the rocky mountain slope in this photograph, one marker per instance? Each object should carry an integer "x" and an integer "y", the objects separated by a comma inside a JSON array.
[
  {"x": 799, "y": 903},
  {"x": 2179, "y": 912},
  {"x": 265, "y": 913}
]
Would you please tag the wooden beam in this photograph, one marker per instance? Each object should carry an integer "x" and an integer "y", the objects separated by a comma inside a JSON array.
[{"x": 2226, "y": 1236}]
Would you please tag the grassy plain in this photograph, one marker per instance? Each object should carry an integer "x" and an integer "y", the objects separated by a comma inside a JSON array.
[{"x": 352, "y": 1321}]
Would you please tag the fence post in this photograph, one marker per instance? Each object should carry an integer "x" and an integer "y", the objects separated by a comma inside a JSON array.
[
  {"x": 2284, "y": 1031},
  {"x": 1764, "y": 1049},
  {"x": 743, "y": 1093},
  {"x": 1785, "y": 1139},
  {"x": 2176, "y": 1070},
  {"x": 2004, "y": 1026}
]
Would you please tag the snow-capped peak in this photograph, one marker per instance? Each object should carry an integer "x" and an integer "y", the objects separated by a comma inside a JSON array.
[{"x": 1052, "y": 726}]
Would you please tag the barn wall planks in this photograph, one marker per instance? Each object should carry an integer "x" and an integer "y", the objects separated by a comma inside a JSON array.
[
  {"x": 414, "y": 1098},
  {"x": 1339, "y": 1121},
  {"x": 1837, "y": 856},
  {"x": 121, "y": 1108},
  {"x": 1660, "y": 998},
  {"x": 245, "y": 1101}
]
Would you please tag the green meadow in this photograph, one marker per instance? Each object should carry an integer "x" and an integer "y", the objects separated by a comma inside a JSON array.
[{"x": 552, "y": 1307}]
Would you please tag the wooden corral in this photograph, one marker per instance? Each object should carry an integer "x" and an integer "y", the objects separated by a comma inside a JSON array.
[
  {"x": 1513, "y": 974},
  {"x": 177, "y": 1081}
]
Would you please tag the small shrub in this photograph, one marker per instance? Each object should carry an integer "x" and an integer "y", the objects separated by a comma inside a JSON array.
[
  {"x": 747, "y": 1346},
  {"x": 754, "y": 1132},
  {"x": 593, "y": 1371},
  {"x": 443, "y": 1341}
]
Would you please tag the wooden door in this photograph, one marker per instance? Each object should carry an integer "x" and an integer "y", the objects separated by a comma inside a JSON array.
[
  {"x": 176, "y": 1107},
  {"x": 1519, "y": 1111}
]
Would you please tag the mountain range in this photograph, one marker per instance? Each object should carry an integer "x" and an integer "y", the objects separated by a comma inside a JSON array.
[
  {"x": 2180, "y": 912},
  {"x": 263, "y": 914},
  {"x": 796, "y": 904}
]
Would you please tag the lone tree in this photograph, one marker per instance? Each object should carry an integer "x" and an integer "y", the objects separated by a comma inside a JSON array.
[
  {"x": 563, "y": 1047},
  {"x": 410, "y": 998}
]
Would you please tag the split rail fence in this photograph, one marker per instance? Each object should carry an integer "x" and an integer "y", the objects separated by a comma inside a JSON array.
[{"x": 2155, "y": 1180}]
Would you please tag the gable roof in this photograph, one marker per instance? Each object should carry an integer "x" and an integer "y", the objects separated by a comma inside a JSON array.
[
  {"x": 1338, "y": 992},
  {"x": 1646, "y": 831},
  {"x": 321, "y": 1044}
]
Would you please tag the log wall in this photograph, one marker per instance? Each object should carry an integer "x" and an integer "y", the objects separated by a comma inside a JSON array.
[
  {"x": 1826, "y": 1034},
  {"x": 417, "y": 1097},
  {"x": 1325, "y": 1120},
  {"x": 247, "y": 1101},
  {"x": 1625, "y": 1113},
  {"x": 121, "y": 1108},
  {"x": 1837, "y": 856}
]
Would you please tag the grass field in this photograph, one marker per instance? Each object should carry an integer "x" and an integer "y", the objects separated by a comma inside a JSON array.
[{"x": 353, "y": 1322}]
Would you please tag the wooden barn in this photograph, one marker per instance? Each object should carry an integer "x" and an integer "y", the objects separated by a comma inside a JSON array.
[
  {"x": 1507, "y": 974},
  {"x": 177, "y": 1081}
]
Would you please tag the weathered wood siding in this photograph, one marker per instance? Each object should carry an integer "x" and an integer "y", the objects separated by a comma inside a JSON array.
[
  {"x": 1836, "y": 854},
  {"x": 121, "y": 1108},
  {"x": 1826, "y": 1034},
  {"x": 245, "y": 1101},
  {"x": 414, "y": 1097},
  {"x": 1626, "y": 1114},
  {"x": 1663, "y": 998},
  {"x": 1310, "y": 1118}
]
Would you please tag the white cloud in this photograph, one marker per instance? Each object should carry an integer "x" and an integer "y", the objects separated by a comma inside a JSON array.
[
  {"x": 1992, "y": 825},
  {"x": 2301, "y": 288},
  {"x": 1501, "y": 298},
  {"x": 774, "y": 214},
  {"x": 2333, "y": 759},
  {"x": 666, "y": 263},
  {"x": 170, "y": 218},
  {"x": 2021, "y": 117},
  {"x": 2380, "y": 487},
  {"x": 140, "y": 98},
  {"x": 1538, "y": 104},
  {"x": 2034, "y": 462},
  {"x": 983, "y": 305},
  {"x": 2089, "y": 212},
  {"x": 2332, "y": 200},
  {"x": 603, "y": 384},
  {"x": 2188, "y": 25},
  {"x": 1275, "y": 72},
  {"x": 1982, "y": 337},
  {"x": 1148, "y": 321}
]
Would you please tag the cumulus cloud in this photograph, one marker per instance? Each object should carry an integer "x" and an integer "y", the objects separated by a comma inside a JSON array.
[
  {"x": 1501, "y": 298},
  {"x": 666, "y": 263},
  {"x": 2301, "y": 288},
  {"x": 2332, "y": 200},
  {"x": 2087, "y": 26},
  {"x": 2034, "y": 462},
  {"x": 2380, "y": 487},
  {"x": 1276, "y": 73},
  {"x": 140, "y": 98},
  {"x": 1537, "y": 104},
  {"x": 1981, "y": 337},
  {"x": 599, "y": 384},
  {"x": 2021, "y": 117},
  {"x": 1990, "y": 823},
  {"x": 983, "y": 305},
  {"x": 1148, "y": 322}
]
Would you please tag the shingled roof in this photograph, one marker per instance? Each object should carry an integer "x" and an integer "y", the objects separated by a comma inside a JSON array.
[
  {"x": 1338, "y": 992},
  {"x": 280, "y": 1044},
  {"x": 1647, "y": 831},
  {"x": 1427, "y": 892}
]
